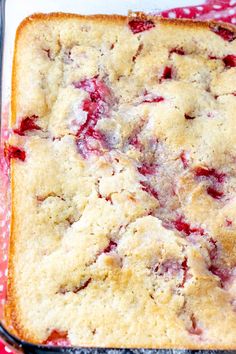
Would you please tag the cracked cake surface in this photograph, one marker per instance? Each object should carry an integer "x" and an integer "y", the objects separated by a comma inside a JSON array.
[{"x": 123, "y": 229}]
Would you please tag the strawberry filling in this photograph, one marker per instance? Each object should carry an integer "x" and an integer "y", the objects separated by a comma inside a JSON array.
[
  {"x": 150, "y": 98},
  {"x": 223, "y": 273},
  {"x": 228, "y": 222},
  {"x": 75, "y": 289},
  {"x": 138, "y": 25},
  {"x": 188, "y": 117},
  {"x": 98, "y": 103},
  {"x": 185, "y": 268},
  {"x": 111, "y": 247},
  {"x": 173, "y": 268},
  {"x": 96, "y": 89},
  {"x": 14, "y": 152},
  {"x": 170, "y": 267},
  {"x": 212, "y": 57},
  {"x": 109, "y": 199},
  {"x": 230, "y": 60},
  {"x": 186, "y": 228},
  {"x": 82, "y": 286},
  {"x": 214, "y": 193},
  {"x": 184, "y": 159},
  {"x": 27, "y": 124},
  {"x": 92, "y": 142},
  {"x": 213, "y": 252},
  {"x": 215, "y": 178},
  {"x": 135, "y": 142},
  {"x": 94, "y": 111},
  {"x": 166, "y": 74},
  {"x": 178, "y": 51},
  {"x": 154, "y": 99},
  {"x": 147, "y": 169},
  {"x": 149, "y": 189},
  {"x": 57, "y": 338},
  {"x": 206, "y": 172},
  {"x": 224, "y": 33},
  {"x": 194, "y": 329}
]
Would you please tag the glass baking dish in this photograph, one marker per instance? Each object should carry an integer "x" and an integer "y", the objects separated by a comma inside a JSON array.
[{"x": 12, "y": 13}]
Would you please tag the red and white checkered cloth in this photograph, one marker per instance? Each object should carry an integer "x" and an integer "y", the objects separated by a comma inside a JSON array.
[{"x": 219, "y": 10}]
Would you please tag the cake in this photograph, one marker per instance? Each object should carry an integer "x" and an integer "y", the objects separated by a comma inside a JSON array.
[{"x": 123, "y": 182}]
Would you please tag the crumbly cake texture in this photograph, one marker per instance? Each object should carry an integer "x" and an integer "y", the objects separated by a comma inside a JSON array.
[{"x": 123, "y": 229}]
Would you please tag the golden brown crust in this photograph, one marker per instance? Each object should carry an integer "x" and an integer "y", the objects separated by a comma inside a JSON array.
[{"x": 11, "y": 308}]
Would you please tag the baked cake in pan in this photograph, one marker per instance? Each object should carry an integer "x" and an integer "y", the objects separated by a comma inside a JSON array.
[{"x": 123, "y": 175}]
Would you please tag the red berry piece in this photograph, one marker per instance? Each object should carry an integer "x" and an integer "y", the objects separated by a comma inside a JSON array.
[
  {"x": 108, "y": 198},
  {"x": 171, "y": 267},
  {"x": 82, "y": 286},
  {"x": 94, "y": 110},
  {"x": 154, "y": 99},
  {"x": 214, "y": 177},
  {"x": 147, "y": 169},
  {"x": 96, "y": 88},
  {"x": 185, "y": 227},
  {"x": 185, "y": 268},
  {"x": 224, "y": 33},
  {"x": 138, "y": 25},
  {"x": 198, "y": 230},
  {"x": 166, "y": 74},
  {"x": 14, "y": 152},
  {"x": 58, "y": 338},
  {"x": 91, "y": 142},
  {"x": 212, "y": 57},
  {"x": 96, "y": 106},
  {"x": 188, "y": 117},
  {"x": 214, "y": 193},
  {"x": 223, "y": 273},
  {"x": 111, "y": 247},
  {"x": 194, "y": 329},
  {"x": 149, "y": 189},
  {"x": 182, "y": 226},
  {"x": 213, "y": 252},
  {"x": 95, "y": 134},
  {"x": 178, "y": 51},
  {"x": 135, "y": 142},
  {"x": 184, "y": 159},
  {"x": 27, "y": 124},
  {"x": 75, "y": 289},
  {"x": 206, "y": 172},
  {"x": 230, "y": 60},
  {"x": 228, "y": 222}
]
